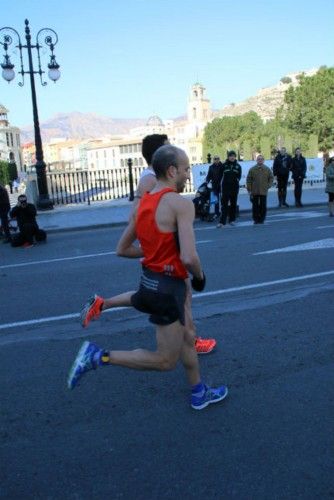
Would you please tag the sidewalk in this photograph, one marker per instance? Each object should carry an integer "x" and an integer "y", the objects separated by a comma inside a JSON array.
[{"x": 116, "y": 212}]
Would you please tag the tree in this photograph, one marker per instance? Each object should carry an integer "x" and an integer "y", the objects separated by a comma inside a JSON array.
[
  {"x": 286, "y": 79},
  {"x": 4, "y": 172},
  {"x": 309, "y": 108},
  {"x": 231, "y": 132}
]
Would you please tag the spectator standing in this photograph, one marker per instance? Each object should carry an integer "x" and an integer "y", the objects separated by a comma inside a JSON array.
[
  {"x": 4, "y": 209},
  {"x": 214, "y": 176},
  {"x": 25, "y": 214},
  {"x": 259, "y": 179},
  {"x": 298, "y": 169},
  {"x": 330, "y": 185},
  {"x": 231, "y": 175},
  {"x": 281, "y": 169}
]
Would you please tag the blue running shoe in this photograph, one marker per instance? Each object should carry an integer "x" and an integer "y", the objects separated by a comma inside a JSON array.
[
  {"x": 82, "y": 363},
  {"x": 211, "y": 395}
]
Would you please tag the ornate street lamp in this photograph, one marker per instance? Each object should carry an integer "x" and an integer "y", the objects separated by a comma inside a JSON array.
[{"x": 8, "y": 73}]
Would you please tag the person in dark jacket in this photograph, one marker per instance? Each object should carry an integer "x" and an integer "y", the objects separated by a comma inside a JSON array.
[
  {"x": 25, "y": 214},
  {"x": 281, "y": 170},
  {"x": 298, "y": 169},
  {"x": 4, "y": 209},
  {"x": 231, "y": 175},
  {"x": 214, "y": 176}
]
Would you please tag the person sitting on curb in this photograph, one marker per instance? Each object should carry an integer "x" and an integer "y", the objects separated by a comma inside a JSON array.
[{"x": 25, "y": 214}]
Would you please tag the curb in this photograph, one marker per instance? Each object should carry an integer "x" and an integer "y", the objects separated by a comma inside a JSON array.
[{"x": 102, "y": 225}]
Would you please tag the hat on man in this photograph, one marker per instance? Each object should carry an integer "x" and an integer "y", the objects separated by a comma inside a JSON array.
[{"x": 231, "y": 153}]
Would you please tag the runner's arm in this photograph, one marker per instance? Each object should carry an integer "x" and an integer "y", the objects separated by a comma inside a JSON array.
[
  {"x": 185, "y": 214},
  {"x": 125, "y": 246}
]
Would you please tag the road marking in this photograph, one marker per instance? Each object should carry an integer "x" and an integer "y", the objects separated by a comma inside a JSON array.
[
  {"x": 196, "y": 296},
  {"x": 36, "y": 262},
  {"x": 312, "y": 245},
  {"x": 324, "y": 227},
  {"x": 299, "y": 215},
  {"x": 76, "y": 257},
  {"x": 271, "y": 218}
]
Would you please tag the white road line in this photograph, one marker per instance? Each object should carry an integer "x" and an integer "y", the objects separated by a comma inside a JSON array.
[
  {"x": 324, "y": 227},
  {"x": 36, "y": 262},
  {"x": 76, "y": 257},
  {"x": 311, "y": 245},
  {"x": 196, "y": 296}
]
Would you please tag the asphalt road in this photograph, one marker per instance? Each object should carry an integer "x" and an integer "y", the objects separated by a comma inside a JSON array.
[{"x": 133, "y": 435}]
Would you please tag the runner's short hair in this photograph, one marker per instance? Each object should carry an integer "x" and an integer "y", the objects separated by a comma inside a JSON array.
[
  {"x": 164, "y": 157},
  {"x": 150, "y": 144}
]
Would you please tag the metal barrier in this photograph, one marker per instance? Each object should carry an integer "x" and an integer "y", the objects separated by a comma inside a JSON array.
[{"x": 87, "y": 186}]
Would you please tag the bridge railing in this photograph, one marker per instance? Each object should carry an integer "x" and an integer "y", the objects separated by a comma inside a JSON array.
[{"x": 87, "y": 186}]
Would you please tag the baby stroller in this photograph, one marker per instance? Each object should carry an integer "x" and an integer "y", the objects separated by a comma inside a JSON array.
[{"x": 204, "y": 204}]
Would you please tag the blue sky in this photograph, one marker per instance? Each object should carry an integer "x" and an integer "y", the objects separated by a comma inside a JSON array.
[{"x": 135, "y": 58}]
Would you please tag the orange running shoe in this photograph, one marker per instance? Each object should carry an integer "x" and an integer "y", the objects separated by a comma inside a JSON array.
[
  {"x": 204, "y": 346},
  {"x": 91, "y": 310}
]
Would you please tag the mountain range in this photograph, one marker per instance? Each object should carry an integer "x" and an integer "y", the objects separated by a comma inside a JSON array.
[{"x": 79, "y": 125}]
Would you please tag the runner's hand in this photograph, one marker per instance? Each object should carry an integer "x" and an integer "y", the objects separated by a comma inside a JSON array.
[{"x": 198, "y": 284}]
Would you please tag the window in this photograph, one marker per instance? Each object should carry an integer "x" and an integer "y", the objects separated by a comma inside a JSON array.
[
  {"x": 7, "y": 138},
  {"x": 140, "y": 161},
  {"x": 105, "y": 153},
  {"x": 122, "y": 163},
  {"x": 126, "y": 149},
  {"x": 135, "y": 162},
  {"x": 130, "y": 149}
]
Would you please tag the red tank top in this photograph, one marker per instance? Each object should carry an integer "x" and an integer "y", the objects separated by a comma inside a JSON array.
[{"x": 161, "y": 251}]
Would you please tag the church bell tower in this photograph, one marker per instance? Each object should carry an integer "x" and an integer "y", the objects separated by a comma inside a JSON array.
[{"x": 199, "y": 107}]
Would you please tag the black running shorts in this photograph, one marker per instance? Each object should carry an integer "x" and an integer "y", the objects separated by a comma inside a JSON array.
[{"x": 160, "y": 296}]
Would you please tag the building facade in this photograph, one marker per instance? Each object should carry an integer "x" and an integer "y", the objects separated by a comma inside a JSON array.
[
  {"x": 114, "y": 151},
  {"x": 185, "y": 133},
  {"x": 10, "y": 147}
]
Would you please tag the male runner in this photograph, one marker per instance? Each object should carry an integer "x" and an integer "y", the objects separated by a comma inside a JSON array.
[
  {"x": 147, "y": 182},
  {"x": 168, "y": 253}
]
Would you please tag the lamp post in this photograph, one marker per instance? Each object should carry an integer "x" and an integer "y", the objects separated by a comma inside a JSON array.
[
  {"x": 131, "y": 194},
  {"x": 8, "y": 73}
]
